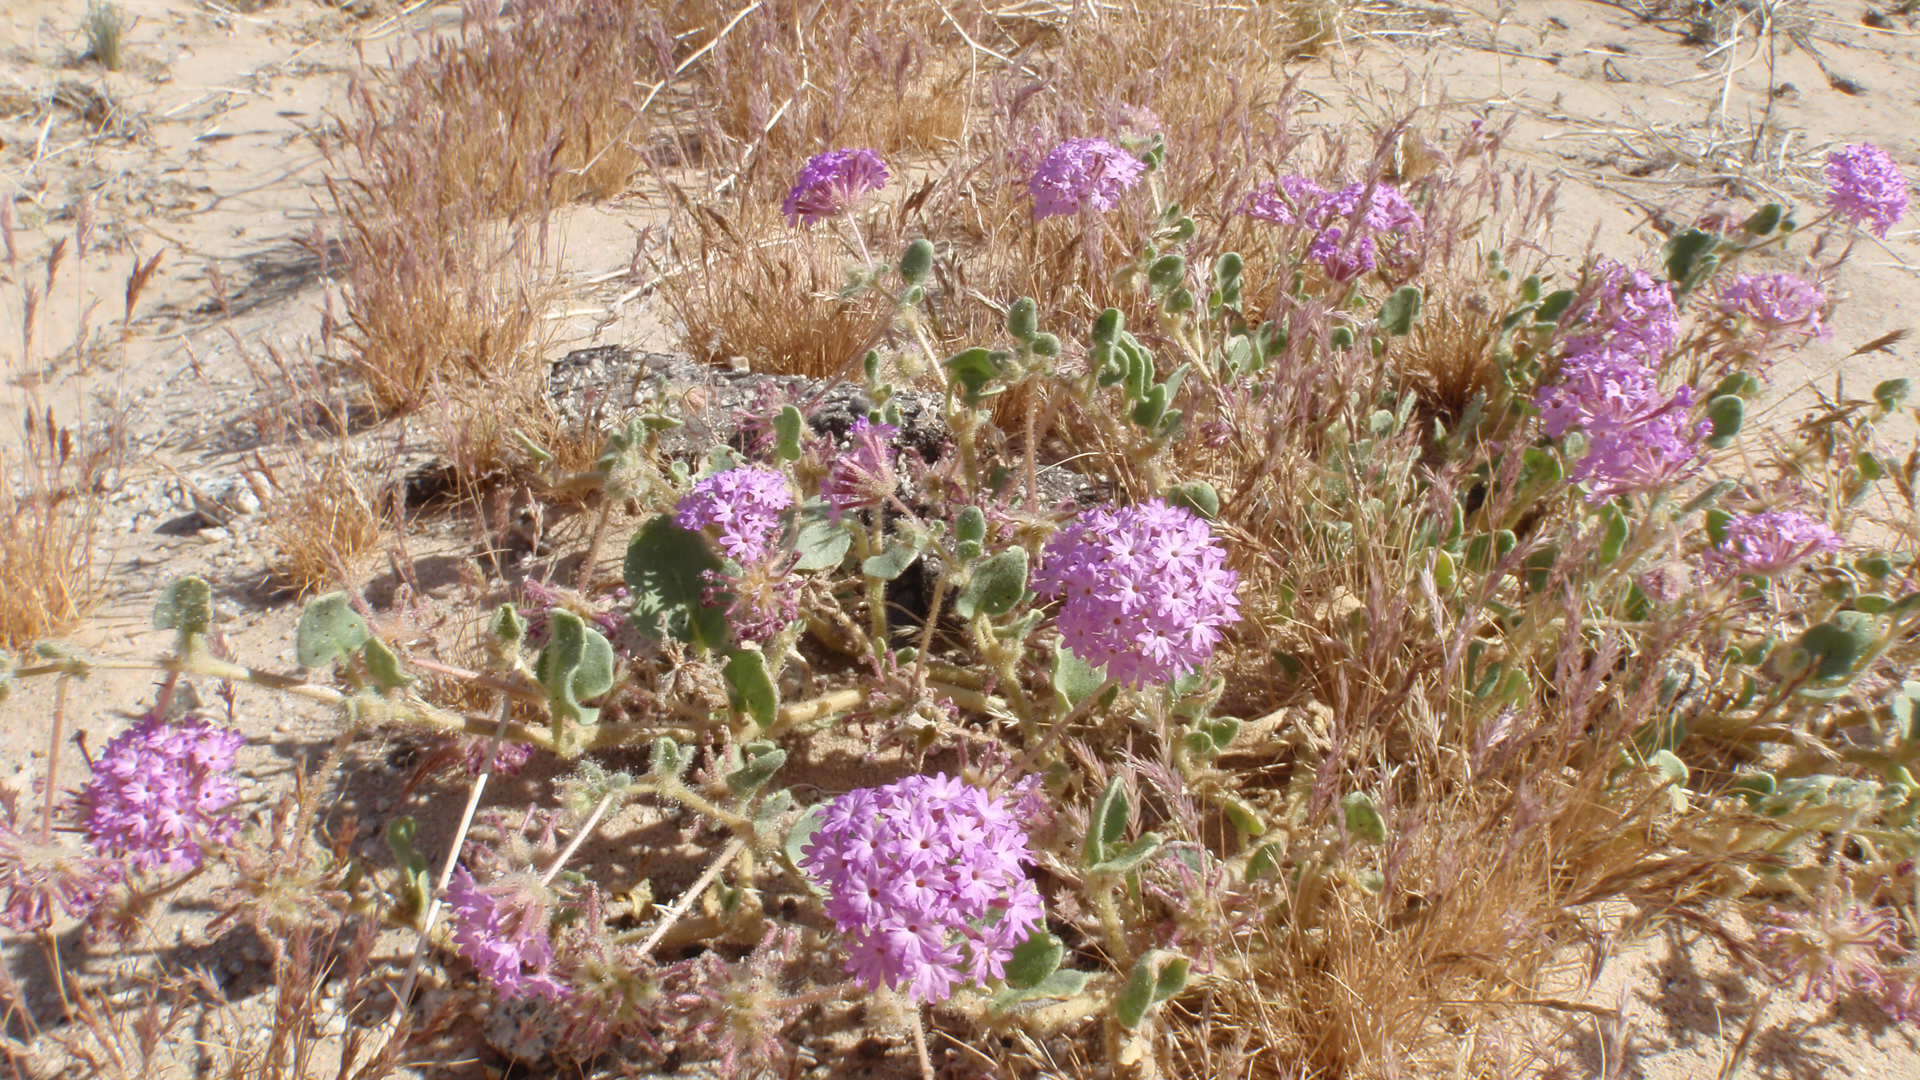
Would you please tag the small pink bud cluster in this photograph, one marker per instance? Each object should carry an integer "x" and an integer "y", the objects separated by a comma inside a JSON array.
[
  {"x": 1146, "y": 590},
  {"x": 927, "y": 878},
  {"x": 1348, "y": 224},
  {"x": 744, "y": 506},
  {"x": 832, "y": 183},
  {"x": 1083, "y": 173},
  {"x": 1771, "y": 541},
  {"x": 1865, "y": 187},
  {"x": 160, "y": 791}
]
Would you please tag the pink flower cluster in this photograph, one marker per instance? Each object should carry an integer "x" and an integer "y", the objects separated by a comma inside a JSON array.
[
  {"x": 1082, "y": 173},
  {"x": 1638, "y": 436},
  {"x": 927, "y": 877},
  {"x": 1348, "y": 224},
  {"x": 744, "y": 505},
  {"x": 1147, "y": 592},
  {"x": 863, "y": 475},
  {"x": 1778, "y": 306},
  {"x": 831, "y": 183},
  {"x": 1865, "y": 187},
  {"x": 502, "y": 930},
  {"x": 159, "y": 792},
  {"x": 1771, "y": 541}
]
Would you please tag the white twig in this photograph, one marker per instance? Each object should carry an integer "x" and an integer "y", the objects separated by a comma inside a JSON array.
[{"x": 693, "y": 892}]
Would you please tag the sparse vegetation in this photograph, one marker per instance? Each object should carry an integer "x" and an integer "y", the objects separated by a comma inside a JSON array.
[{"x": 1149, "y": 589}]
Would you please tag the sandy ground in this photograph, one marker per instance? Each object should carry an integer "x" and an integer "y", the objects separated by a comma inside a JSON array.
[{"x": 202, "y": 149}]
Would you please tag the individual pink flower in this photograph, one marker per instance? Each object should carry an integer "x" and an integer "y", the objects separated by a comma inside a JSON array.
[
  {"x": 927, "y": 878},
  {"x": 1081, "y": 174},
  {"x": 1865, "y": 187},
  {"x": 160, "y": 792},
  {"x": 1771, "y": 541},
  {"x": 832, "y": 183},
  {"x": 1145, "y": 590}
]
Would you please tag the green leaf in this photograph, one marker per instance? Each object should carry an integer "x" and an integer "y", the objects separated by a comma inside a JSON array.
[
  {"x": 1156, "y": 977},
  {"x": 788, "y": 425},
  {"x": 1108, "y": 325},
  {"x": 759, "y": 761},
  {"x": 1244, "y": 817},
  {"x": 1167, "y": 272},
  {"x": 1686, "y": 253},
  {"x": 1363, "y": 819},
  {"x": 970, "y": 526},
  {"x": 1445, "y": 574},
  {"x": 576, "y": 664},
  {"x": 1837, "y": 646},
  {"x": 1074, "y": 679},
  {"x": 822, "y": 544},
  {"x": 667, "y": 760},
  {"x": 996, "y": 586},
  {"x": 664, "y": 570},
  {"x": 1614, "y": 532},
  {"x": 1764, "y": 220},
  {"x": 1726, "y": 413},
  {"x": 750, "y": 686},
  {"x": 1399, "y": 313},
  {"x": 799, "y": 836},
  {"x": 891, "y": 563},
  {"x": 1108, "y": 823},
  {"x": 1127, "y": 857},
  {"x": 384, "y": 666},
  {"x": 329, "y": 629},
  {"x": 1555, "y": 305},
  {"x": 1541, "y": 469},
  {"x": 415, "y": 874},
  {"x": 1892, "y": 393},
  {"x": 185, "y": 605},
  {"x": 1717, "y": 522},
  {"x": 1064, "y": 983},
  {"x": 974, "y": 369},
  {"x": 1035, "y": 959}
]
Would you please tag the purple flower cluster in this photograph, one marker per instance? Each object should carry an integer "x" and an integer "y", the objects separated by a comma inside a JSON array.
[
  {"x": 1081, "y": 173},
  {"x": 1147, "y": 590},
  {"x": 1772, "y": 541},
  {"x": 1865, "y": 187},
  {"x": 1638, "y": 436},
  {"x": 927, "y": 877},
  {"x": 1778, "y": 306},
  {"x": 745, "y": 505},
  {"x": 831, "y": 183},
  {"x": 1369, "y": 212},
  {"x": 159, "y": 792},
  {"x": 502, "y": 930},
  {"x": 39, "y": 875},
  {"x": 863, "y": 475}
]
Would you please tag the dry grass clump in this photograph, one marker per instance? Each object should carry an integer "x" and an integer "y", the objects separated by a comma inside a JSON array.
[
  {"x": 325, "y": 515},
  {"x": 49, "y": 495}
]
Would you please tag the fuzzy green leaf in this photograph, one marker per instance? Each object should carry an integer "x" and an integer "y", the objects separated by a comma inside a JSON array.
[
  {"x": 750, "y": 686},
  {"x": 329, "y": 629},
  {"x": 186, "y": 605},
  {"x": 996, "y": 586},
  {"x": 664, "y": 570}
]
